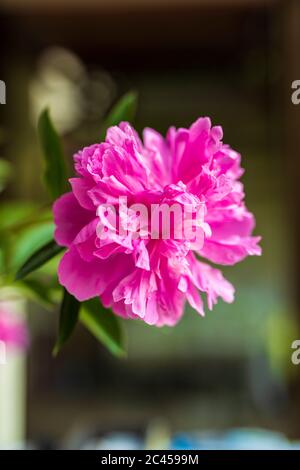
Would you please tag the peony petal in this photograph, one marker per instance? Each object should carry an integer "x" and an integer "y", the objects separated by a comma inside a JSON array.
[
  {"x": 211, "y": 281},
  {"x": 230, "y": 241},
  {"x": 86, "y": 280},
  {"x": 80, "y": 188},
  {"x": 69, "y": 218}
]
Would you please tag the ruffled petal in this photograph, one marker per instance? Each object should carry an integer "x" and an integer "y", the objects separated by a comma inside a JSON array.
[
  {"x": 211, "y": 281},
  {"x": 231, "y": 239},
  {"x": 86, "y": 280},
  {"x": 69, "y": 218}
]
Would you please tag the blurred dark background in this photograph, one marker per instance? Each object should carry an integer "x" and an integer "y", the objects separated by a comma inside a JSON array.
[{"x": 233, "y": 60}]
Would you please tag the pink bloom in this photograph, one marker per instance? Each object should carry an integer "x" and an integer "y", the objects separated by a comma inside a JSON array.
[
  {"x": 148, "y": 278},
  {"x": 13, "y": 331}
]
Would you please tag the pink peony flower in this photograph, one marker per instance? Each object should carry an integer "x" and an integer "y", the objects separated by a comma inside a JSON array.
[
  {"x": 13, "y": 331},
  {"x": 152, "y": 277}
]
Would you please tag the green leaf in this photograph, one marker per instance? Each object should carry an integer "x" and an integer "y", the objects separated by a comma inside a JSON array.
[
  {"x": 55, "y": 171},
  {"x": 5, "y": 254},
  {"x": 5, "y": 173},
  {"x": 40, "y": 257},
  {"x": 104, "y": 325},
  {"x": 69, "y": 312},
  {"x": 36, "y": 291},
  {"x": 27, "y": 241},
  {"x": 124, "y": 110},
  {"x": 12, "y": 213}
]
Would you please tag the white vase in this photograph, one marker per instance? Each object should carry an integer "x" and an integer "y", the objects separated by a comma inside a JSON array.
[{"x": 12, "y": 384}]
